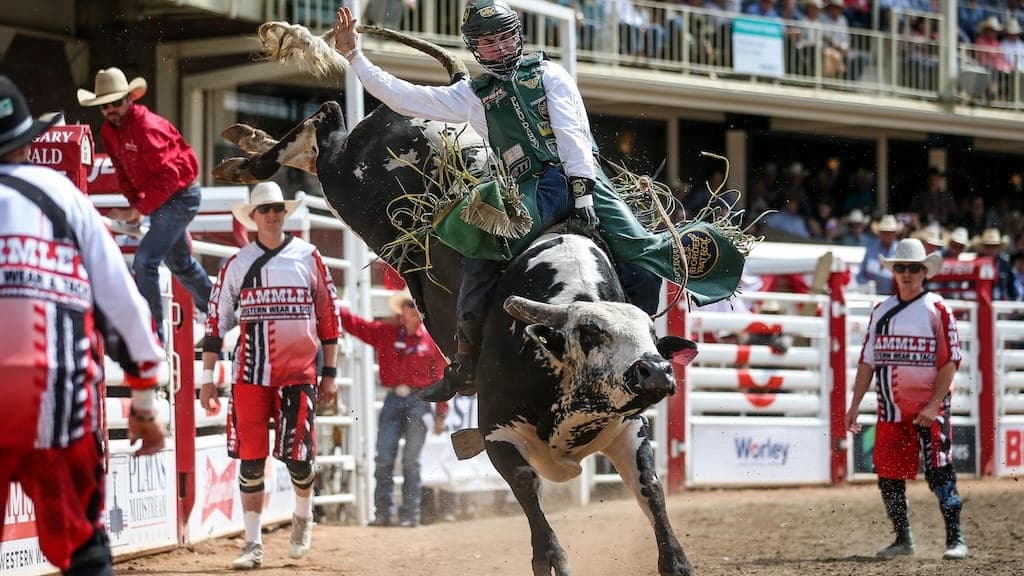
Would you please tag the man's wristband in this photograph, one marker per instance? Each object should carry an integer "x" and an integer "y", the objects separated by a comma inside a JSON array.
[
  {"x": 580, "y": 186},
  {"x": 329, "y": 371},
  {"x": 208, "y": 377}
]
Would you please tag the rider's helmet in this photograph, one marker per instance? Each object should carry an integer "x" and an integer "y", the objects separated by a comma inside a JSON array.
[{"x": 493, "y": 33}]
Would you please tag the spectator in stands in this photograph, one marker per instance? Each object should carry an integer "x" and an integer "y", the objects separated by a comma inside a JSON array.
[
  {"x": 969, "y": 17},
  {"x": 51, "y": 356},
  {"x": 935, "y": 203},
  {"x": 993, "y": 245},
  {"x": 931, "y": 236},
  {"x": 763, "y": 8},
  {"x": 856, "y": 233},
  {"x": 795, "y": 187},
  {"x": 862, "y": 192},
  {"x": 858, "y": 13},
  {"x": 975, "y": 220},
  {"x": 823, "y": 225},
  {"x": 275, "y": 365},
  {"x": 871, "y": 269},
  {"x": 989, "y": 54},
  {"x": 409, "y": 361},
  {"x": 958, "y": 241},
  {"x": 914, "y": 396},
  {"x": 836, "y": 57},
  {"x": 1012, "y": 46},
  {"x": 156, "y": 170},
  {"x": 789, "y": 222}
]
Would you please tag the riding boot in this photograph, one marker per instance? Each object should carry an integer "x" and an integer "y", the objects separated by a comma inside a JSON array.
[
  {"x": 894, "y": 496},
  {"x": 458, "y": 376},
  {"x": 956, "y": 548}
]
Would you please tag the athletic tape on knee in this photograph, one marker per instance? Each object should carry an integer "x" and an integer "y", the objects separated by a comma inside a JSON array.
[
  {"x": 302, "y": 474},
  {"x": 942, "y": 481},
  {"x": 250, "y": 476}
]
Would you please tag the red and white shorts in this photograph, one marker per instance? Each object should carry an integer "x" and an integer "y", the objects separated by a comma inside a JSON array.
[
  {"x": 66, "y": 486},
  {"x": 293, "y": 411},
  {"x": 899, "y": 445}
]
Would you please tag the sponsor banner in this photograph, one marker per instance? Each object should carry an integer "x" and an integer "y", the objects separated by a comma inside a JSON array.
[
  {"x": 759, "y": 453},
  {"x": 19, "y": 546},
  {"x": 1010, "y": 460},
  {"x": 141, "y": 509},
  {"x": 757, "y": 47},
  {"x": 141, "y": 513},
  {"x": 965, "y": 455},
  {"x": 66, "y": 149},
  {"x": 441, "y": 469},
  {"x": 218, "y": 505}
]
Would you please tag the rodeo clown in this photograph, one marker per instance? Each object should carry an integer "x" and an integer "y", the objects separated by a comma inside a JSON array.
[{"x": 531, "y": 113}]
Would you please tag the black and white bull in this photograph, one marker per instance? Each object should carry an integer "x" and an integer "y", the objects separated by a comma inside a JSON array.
[{"x": 566, "y": 367}]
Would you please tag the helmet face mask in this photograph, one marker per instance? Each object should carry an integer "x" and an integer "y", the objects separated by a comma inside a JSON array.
[{"x": 493, "y": 34}]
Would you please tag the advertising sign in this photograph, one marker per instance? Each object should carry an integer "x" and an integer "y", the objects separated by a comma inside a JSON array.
[
  {"x": 19, "y": 546},
  {"x": 440, "y": 468},
  {"x": 757, "y": 47},
  {"x": 66, "y": 149},
  {"x": 1011, "y": 449},
  {"x": 736, "y": 453},
  {"x": 965, "y": 455}
]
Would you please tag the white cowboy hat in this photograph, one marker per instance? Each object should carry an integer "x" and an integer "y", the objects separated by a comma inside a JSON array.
[
  {"x": 855, "y": 217},
  {"x": 911, "y": 251},
  {"x": 932, "y": 234},
  {"x": 992, "y": 237},
  {"x": 262, "y": 193},
  {"x": 888, "y": 223},
  {"x": 111, "y": 86},
  {"x": 1012, "y": 27},
  {"x": 991, "y": 22},
  {"x": 959, "y": 236},
  {"x": 398, "y": 298}
]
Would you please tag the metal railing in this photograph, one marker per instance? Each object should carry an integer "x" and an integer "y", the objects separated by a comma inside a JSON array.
[{"x": 904, "y": 61}]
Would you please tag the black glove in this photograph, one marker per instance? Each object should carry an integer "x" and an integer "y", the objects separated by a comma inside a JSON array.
[{"x": 583, "y": 219}]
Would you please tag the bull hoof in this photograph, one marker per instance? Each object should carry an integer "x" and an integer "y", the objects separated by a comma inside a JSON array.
[
  {"x": 235, "y": 170},
  {"x": 250, "y": 139}
]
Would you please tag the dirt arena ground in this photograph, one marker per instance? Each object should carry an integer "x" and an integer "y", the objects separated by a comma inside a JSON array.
[{"x": 774, "y": 532}]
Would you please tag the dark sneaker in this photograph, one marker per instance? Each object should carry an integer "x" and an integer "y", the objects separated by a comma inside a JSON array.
[
  {"x": 251, "y": 557},
  {"x": 379, "y": 523},
  {"x": 900, "y": 547}
]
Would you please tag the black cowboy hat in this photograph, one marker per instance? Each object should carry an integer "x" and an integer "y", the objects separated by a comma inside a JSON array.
[{"x": 17, "y": 126}]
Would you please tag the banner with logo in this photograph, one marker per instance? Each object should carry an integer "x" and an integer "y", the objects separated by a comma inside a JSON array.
[
  {"x": 759, "y": 452},
  {"x": 757, "y": 47},
  {"x": 218, "y": 504},
  {"x": 964, "y": 450},
  {"x": 1010, "y": 460},
  {"x": 141, "y": 513}
]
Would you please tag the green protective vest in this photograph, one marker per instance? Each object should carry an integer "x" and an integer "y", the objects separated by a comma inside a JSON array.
[{"x": 519, "y": 130}]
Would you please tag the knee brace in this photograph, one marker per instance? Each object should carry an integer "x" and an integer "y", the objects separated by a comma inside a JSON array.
[
  {"x": 942, "y": 482},
  {"x": 302, "y": 474},
  {"x": 250, "y": 476}
]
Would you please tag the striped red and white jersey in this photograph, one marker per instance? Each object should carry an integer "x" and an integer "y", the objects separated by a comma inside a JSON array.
[
  {"x": 285, "y": 304},
  {"x": 56, "y": 280},
  {"x": 906, "y": 344}
]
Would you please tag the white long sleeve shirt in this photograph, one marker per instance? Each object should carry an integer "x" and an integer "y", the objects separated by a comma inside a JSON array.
[{"x": 458, "y": 103}]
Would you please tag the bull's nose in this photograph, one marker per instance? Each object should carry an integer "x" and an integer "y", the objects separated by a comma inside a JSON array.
[{"x": 654, "y": 375}]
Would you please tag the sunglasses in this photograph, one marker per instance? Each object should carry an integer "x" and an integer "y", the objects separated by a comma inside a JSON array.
[
  {"x": 408, "y": 304},
  {"x": 264, "y": 208},
  {"x": 114, "y": 104},
  {"x": 912, "y": 268}
]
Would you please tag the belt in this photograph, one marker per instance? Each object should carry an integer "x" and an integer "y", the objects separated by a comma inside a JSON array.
[{"x": 402, "y": 390}]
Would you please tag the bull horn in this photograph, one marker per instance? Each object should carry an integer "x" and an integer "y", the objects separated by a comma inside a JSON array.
[{"x": 533, "y": 312}]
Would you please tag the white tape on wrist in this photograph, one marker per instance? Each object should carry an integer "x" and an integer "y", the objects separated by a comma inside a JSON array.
[
  {"x": 584, "y": 201},
  {"x": 144, "y": 399},
  {"x": 208, "y": 377}
]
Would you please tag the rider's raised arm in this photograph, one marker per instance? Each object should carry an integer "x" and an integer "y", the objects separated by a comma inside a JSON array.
[{"x": 569, "y": 121}]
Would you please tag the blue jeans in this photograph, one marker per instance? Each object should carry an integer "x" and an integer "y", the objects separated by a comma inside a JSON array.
[
  {"x": 167, "y": 242},
  {"x": 554, "y": 204},
  {"x": 400, "y": 417}
]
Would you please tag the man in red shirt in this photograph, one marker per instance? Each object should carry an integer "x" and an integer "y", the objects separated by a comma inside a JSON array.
[
  {"x": 156, "y": 170},
  {"x": 408, "y": 360}
]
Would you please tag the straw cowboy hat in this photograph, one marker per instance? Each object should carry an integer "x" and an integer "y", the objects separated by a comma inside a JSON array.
[
  {"x": 111, "y": 86},
  {"x": 991, "y": 22},
  {"x": 959, "y": 236},
  {"x": 262, "y": 193},
  {"x": 855, "y": 217},
  {"x": 888, "y": 223},
  {"x": 931, "y": 234},
  {"x": 911, "y": 251},
  {"x": 992, "y": 237},
  {"x": 17, "y": 127},
  {"x": 1012, "y": 27},
  {"x": 397, "y": 299}
]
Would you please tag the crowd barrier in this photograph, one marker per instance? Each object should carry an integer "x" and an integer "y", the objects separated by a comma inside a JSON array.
[{"x": 746, "y": 414}]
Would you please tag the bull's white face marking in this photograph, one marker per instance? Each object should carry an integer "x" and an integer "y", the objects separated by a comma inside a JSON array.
[{"x": 577, "y": 275}]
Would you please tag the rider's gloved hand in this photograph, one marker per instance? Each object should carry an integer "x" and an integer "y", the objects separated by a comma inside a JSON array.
[{"x": 583, "y": 219}]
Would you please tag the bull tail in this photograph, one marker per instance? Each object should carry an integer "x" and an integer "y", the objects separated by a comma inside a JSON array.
[
  {"x": 292, "y": 43},
  {"x": 455, "y": 66}
]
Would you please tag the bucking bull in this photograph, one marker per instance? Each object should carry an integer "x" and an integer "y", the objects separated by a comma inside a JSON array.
[{"x": 566, "y": 367}]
